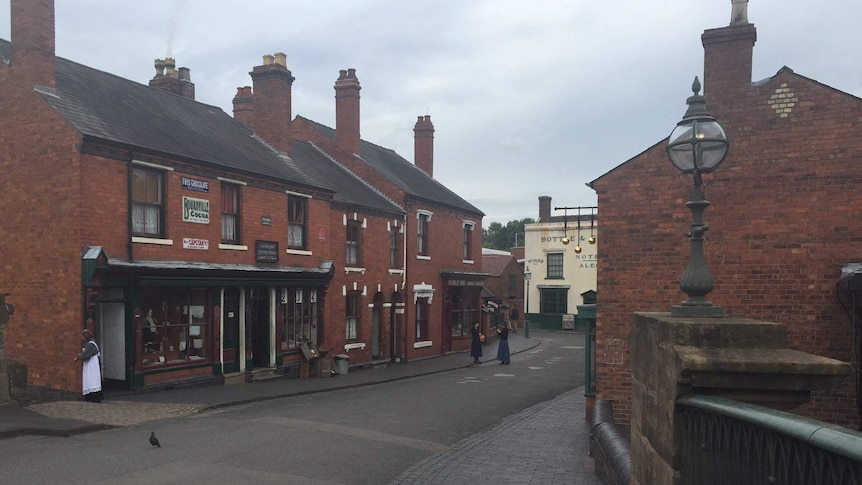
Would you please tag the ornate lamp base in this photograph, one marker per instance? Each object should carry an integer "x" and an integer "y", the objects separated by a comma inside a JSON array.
[{"x": 697, "y": 311}]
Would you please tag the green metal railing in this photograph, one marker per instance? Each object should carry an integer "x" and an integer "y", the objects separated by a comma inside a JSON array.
[{"x": 730, "y": 442}]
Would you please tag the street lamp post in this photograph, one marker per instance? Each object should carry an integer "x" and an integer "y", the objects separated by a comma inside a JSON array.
[
  {"x": 697, "y": 145},
  {"x": 527, "y": 276}
]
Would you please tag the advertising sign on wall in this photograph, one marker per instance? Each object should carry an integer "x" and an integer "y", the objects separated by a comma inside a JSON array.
[{"x": 196, "y": 210}]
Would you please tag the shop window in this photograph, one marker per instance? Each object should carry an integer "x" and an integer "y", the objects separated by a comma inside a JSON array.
[
  {"x": 555, "y": 266},
  {"x": 296, "y": 222},
  {"x": 175, "y": 326},
  {"x": 230, "y": 213},
  {"x": 148, "y": 202},
  {"x": 299, "y": 315},
  {"x": 352, "y": 321},
  {"x": 554, "y": 300},
  {"x": 421, "y": 319},
  {"x": 353, "y": 243},
  {"x": 465, "y": 309}
]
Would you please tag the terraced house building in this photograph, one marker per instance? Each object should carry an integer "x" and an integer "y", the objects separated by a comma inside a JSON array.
[{"x": 200, "y": 246}]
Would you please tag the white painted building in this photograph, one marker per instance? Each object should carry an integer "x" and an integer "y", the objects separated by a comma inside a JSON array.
[{"x": 560, "y": 253}]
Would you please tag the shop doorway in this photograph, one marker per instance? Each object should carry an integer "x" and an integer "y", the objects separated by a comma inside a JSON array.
[
  {"x": 231, "y": 351},
  {"x": 257, "y": 326},
  {"x": 111, "y": 318}
]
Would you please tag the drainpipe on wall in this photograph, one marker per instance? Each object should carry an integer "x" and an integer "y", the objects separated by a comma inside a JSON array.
[{"x": 131, "y": 252}]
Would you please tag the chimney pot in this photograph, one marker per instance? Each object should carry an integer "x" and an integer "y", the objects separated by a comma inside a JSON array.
[
  {"x": 268, "y": 59},
  {"x": 160, "y": 67},
  {"x": 170, "y": 67},
  {"x": 185, "y": 74},
  {"x": 281, "y": 59}
]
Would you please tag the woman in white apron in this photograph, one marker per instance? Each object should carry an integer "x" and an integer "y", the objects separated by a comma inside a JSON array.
[{"x": 92, "y": 373}]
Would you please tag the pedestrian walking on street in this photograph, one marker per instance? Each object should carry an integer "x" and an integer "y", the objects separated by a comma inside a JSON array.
[
  {"x": 514, "y": 314},
  {"x": 476, "y": 343},
  {"x": 91, "y": 376},
  {"x": 503, "y": 345}
]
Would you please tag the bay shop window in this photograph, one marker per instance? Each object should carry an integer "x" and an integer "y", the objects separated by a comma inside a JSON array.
[
  {"x": 175, "y": 326},
  {"x": 298, "y": 313}
]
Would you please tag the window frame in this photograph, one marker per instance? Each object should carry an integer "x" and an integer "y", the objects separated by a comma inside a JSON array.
[
  {"x": 468, "y": 241},
  {"x": 394, "y": 247},
  {"x": 300, "y": 316},
  {"x": 181, "y": 326},
  {"x": 144, "y": 205},
  {"x": 352, "y": 316},
  {"x": 555, "y": 266},
  {"x": 353, "y": 243},
  {"x": 297, "y": 219},
  {"x": 423, "y": 223},
  {"x": 422, "y": 308},
  {"x": 236, "y": 214},
  {"x": 553, "y": 299}
]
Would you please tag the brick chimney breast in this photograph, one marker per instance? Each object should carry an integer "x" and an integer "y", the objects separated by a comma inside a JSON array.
[
  {"x": 347, "y": 89},
  {"x": 171, "y": 80},
  {"x": 33, "y": 41},
  {"x": 243, "y": 105},
  {"x": 728, "y": 53},
  {"x": 423, "y": 145},
  {"x": 544, "y": 208},
  {"x": 272, "y": 111}
]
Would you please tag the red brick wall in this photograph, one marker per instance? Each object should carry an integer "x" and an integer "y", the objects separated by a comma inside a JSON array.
[
  {"x": 784, "y": 219},
  {"x": 374, "y": 258},
  {"x": 40, "y": 250},
  {"x": 105, "y": 189}
]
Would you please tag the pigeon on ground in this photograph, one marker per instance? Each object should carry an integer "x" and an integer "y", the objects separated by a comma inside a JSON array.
[{"x": 153, "y": 440}]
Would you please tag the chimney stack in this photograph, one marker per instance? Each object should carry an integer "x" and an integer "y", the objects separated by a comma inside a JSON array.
[
  {"x": 423, "y": 145},
  {"x": 33, "y": 41},
  {"x": 271, "y": 111},
  {"x": 243, "y": 105},
  {"x": 347, "y": 111},
  {"x": 544, "y": 208},
  {"x": 728, "y": 53},
  {"x": 171, "y": 80}
]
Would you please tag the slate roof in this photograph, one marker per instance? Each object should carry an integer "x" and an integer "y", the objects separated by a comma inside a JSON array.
[
  {"x": 402, "y": 173},
  {"x": 107, "y": 107},
  {"x": 495, "y": 264},
  {"x": 349, "y": 189}
]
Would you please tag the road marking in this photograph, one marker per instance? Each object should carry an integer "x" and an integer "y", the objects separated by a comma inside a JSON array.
[
  {"x": 572, "y": 347},
  {"x": 318, "y": 426},
  {"x": 535, "y": 368},
  {"x": 504, "y": 375}
]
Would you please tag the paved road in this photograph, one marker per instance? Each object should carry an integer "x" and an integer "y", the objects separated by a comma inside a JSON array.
[{"x": 467, "y": 425}]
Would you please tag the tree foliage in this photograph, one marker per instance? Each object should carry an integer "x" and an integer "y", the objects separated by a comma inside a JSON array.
[{"x": 498, "y": 236}]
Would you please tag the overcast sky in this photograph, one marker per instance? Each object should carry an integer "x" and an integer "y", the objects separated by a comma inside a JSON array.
[{"x": 528, "y": 97}]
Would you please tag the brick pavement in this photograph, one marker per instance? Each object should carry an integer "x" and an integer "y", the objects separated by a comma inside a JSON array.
[{"x": 544, "y": 445}]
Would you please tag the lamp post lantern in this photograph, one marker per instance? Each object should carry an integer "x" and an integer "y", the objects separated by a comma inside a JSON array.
[
  {"x": 697, "y": 145},
  {"x": 527, "y": 276}
]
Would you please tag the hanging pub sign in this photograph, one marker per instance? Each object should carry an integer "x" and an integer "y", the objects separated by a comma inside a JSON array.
[
  {"x": 266, "y": 251},
  {"x": 195, "y": 184},
  {"x": 196, "y": 210}
]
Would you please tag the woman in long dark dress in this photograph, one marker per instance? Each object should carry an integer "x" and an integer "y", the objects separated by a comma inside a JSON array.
[
  {"x": 503, "y": 345},
  {"x": 476, "y": 343}
]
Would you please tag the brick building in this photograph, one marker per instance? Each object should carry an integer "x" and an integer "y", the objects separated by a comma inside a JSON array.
[
  {"x": 785, "y": 207},
  {"x": 504, "y": 285},
  {"x": 198, "y": 245}
]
